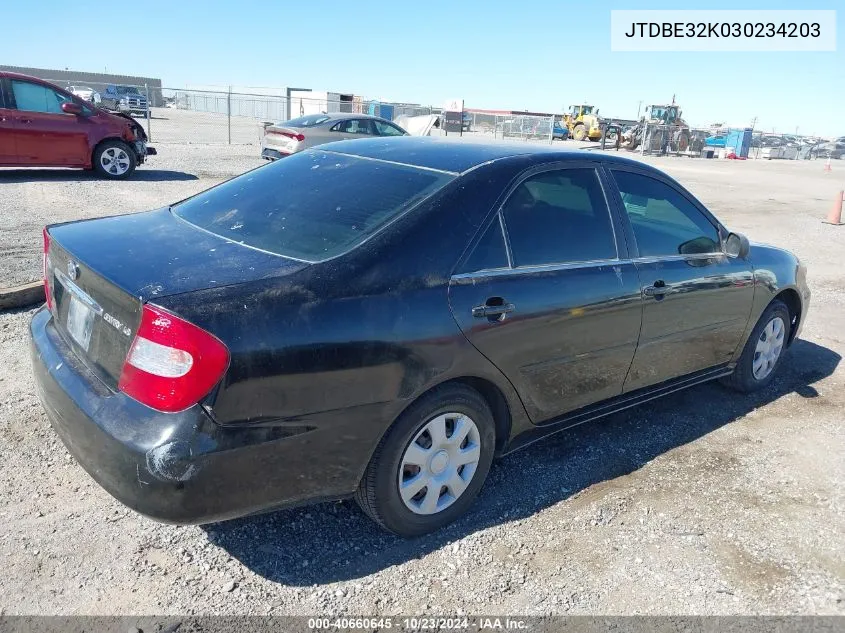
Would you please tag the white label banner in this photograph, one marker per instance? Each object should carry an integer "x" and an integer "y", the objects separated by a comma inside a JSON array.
[{"x": 723, "y": 30}]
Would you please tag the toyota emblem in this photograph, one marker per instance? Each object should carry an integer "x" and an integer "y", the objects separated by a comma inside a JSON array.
[{"x": 72, "y": 270}]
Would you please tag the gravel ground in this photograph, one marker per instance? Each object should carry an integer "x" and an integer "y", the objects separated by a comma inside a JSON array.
[{"x": 705, "y": 502}]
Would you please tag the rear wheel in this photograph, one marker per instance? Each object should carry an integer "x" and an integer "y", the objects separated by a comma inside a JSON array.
[
  {"x": 763, "y": 351},
  {"x": 114, "y": 159},
  {"x": 431, "y": 464}
]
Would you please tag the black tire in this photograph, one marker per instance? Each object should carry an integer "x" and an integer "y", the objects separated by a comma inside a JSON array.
[
  {"x": 119, "y": 147},
  {"x": 743, "y": 379},
  {"x": 378, "y": 492}
]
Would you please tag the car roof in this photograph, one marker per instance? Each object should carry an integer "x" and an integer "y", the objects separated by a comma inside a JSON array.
[
  {"x": 11, "y": 75},
  {"x": 455, "y": 156},
  {"x": 352, "y": 115}
]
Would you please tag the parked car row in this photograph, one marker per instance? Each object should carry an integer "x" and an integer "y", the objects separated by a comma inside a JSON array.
[{"x": 42, "y": 125}]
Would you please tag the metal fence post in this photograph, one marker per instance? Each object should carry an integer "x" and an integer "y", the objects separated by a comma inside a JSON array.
[
  {"x": 645, "y": 133},
  {"x": 149, "y": 115},
  {"x": 552, "y": 129},
  {"x": 229, "y": 113}
]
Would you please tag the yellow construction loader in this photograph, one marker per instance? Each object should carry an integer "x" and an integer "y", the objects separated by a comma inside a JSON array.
[{"x": 582, "y": 123}]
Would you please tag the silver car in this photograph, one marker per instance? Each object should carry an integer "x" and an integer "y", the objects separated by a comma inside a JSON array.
[{"x": 289, "y": 137}]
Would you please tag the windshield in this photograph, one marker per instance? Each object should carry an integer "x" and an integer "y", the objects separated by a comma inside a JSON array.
[
  {"x": 126, "y": 90},
  {"x": 312, "y": 205},
  {"x": 309, "y": 120}
]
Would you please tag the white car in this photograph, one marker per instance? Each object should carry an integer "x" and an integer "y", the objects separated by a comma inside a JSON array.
[{"x": 84, "y": 92}]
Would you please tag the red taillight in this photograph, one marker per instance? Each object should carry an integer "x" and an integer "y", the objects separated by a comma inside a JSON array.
[
  {"x": 172, "y": 364},
  {"x": 294, "y": 136},
  {"x": 45, "y": 259}
]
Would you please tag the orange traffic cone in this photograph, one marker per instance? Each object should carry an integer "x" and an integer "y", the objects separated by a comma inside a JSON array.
[
  {"x": 827, "y": 164},
  {"x": 835, "y": 215}
]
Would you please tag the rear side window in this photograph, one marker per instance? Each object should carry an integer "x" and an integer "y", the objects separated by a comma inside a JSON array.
[
  {"x": 355, "y": 126},
  {"x": 312, "y": 205},
  {"x": 559, "y": 217},
  {"x": 489, "y": 253}
]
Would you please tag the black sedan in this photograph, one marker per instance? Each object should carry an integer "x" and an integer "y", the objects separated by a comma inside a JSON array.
[{"x": 381, "y": 318}]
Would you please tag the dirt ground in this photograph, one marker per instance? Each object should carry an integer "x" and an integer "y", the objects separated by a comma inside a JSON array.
[{"x": 705, "y": 502}]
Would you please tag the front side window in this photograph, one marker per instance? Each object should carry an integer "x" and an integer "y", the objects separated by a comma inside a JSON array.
[
  {"x": 664, "y": 221},
  {"x": 32, "y": 97},
  {"x": 559, "y": 217},
  {"x": 388, "y": 129}
]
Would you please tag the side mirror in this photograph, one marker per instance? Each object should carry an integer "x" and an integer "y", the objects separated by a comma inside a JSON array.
[
  {"x": 69, "y": 107},
  {"x": 737, "y": 245}
]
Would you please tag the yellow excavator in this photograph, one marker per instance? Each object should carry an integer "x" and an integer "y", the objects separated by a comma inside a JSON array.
[{"x": 583, "y": 123}]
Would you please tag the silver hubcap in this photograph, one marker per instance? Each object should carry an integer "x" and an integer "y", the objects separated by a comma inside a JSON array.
[
  {"x": 115, "y": 161},
  {"x": 439, "y": 463},
  {"x": 768, "y": 349}
]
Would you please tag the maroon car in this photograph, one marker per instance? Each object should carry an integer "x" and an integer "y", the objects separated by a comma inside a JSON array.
[{"x": 42, "y": 125}]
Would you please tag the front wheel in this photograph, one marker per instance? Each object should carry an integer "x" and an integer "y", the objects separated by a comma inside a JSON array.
[
  {"x": 114, "y": 159},
  {"x": 763, "y": 351},
  {"x": 431, "y": 464}
]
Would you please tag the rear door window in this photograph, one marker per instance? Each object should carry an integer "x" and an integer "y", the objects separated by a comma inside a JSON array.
[
  {"x": 356, "y": 126},
  {"x": 312, "y": 205},
  {"x": 559, "y": 217}
]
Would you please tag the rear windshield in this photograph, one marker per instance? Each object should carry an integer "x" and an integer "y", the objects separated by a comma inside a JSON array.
[
  {"x": 309, "y": 120},
  {"x": 312, "y": 205}
]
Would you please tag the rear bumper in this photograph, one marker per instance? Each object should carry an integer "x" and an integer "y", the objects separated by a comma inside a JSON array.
[
  {"x": 272, "y": 154},
  {"x": 177, "y": 468}
]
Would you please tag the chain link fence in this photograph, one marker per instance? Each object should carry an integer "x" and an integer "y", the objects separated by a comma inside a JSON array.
[
  {"x": 198, "y": 116},
  {"x": 180, "y": 115}
]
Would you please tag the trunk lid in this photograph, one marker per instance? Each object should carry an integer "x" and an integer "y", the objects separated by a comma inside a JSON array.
[
  {"x": 286, "y": 139},
  {"x": 102, "y": 271}
]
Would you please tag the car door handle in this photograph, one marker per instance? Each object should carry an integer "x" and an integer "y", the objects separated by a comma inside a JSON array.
[
  {"x": 25, "y": 120},
  {"x": 657, "y": 290},
  {"x": 488, "y": 311}
]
